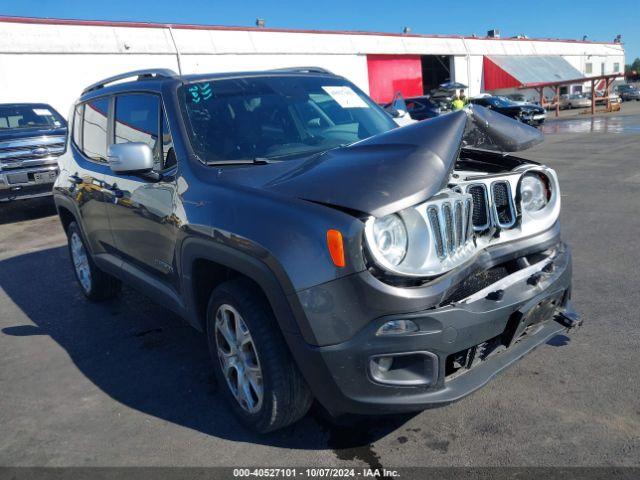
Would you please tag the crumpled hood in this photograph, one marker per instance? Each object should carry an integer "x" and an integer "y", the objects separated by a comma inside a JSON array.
[
  {"x": 405, "y": 166},
  {"x": 383, "y": 173}
]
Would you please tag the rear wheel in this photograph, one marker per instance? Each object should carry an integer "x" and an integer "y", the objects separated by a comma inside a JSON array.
[
  {"x": 251, "y": 360},
  {"x": 94, "y": 283}
]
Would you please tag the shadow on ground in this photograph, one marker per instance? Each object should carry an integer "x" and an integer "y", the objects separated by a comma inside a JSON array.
[
  {"x": 22, "y": 210},
  {"x": 148, "y": 359}
]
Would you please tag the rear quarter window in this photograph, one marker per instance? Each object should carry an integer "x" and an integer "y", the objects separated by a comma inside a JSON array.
[
  {"x": 77, "y": 126},
  {"x": 94, "y": 129}
]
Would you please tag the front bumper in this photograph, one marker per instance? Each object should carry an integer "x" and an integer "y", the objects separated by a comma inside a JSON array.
[
  {"x": 340, "y": 374},
  {"x": 537, "y": 119},
  {"x": 27, "y": 183}
]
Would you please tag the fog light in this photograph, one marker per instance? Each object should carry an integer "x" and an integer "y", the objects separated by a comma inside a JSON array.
[
  {"x": 383, "y": 364},
  {"x": 404, "y": 369},
  {"x": 397, "y": 327}
]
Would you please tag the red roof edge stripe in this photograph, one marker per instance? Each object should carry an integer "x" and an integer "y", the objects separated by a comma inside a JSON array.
[{"x": 105, "y": 23}]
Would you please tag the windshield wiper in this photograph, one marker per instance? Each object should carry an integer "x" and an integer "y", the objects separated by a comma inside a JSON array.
[{"x": 243, "y": 161}]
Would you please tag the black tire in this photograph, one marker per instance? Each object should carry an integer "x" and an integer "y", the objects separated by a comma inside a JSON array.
[
  {"x": 286, "y": 397},
  {"x": 102, "y": 286}
]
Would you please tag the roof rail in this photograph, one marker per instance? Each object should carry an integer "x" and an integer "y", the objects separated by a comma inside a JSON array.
[
  {"x": 303, "y": 70},
  {"x": 141, "y": 74}
]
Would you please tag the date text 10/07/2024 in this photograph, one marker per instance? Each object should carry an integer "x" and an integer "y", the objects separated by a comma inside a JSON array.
[{"x": 315, "y": 473}]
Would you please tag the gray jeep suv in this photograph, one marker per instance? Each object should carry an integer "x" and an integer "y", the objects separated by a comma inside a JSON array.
[{"x": 325, "y": 253}]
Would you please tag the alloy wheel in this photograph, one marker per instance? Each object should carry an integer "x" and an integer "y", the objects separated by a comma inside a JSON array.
[
  {"x": 80, "y": 262},
  {"x": 239, "y": 358}
]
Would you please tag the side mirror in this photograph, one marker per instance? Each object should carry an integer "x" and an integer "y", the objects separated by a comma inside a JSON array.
[{"x": 133, "y": 157}]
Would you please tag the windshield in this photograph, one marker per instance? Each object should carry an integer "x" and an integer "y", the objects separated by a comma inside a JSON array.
[
  {"x": 29, "y": 116},
  {"x": 277, "y": 117}
]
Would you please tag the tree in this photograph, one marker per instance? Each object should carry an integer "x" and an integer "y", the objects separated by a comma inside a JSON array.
[{"x": 632, "y": 71}]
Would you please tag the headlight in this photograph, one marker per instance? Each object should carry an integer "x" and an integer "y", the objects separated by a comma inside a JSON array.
[
  {"x": 534, "y": 193},
  {"x": 390, "y": 238}
]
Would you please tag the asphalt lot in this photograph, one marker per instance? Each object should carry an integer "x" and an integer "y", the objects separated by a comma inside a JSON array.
[{"x": 127, "y": 383}]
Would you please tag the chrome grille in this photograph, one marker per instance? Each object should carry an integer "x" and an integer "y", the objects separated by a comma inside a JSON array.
[{"x": 32, "y": 151}]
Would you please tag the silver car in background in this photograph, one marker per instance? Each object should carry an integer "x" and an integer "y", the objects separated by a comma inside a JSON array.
[{"x": 574, "y": 100}]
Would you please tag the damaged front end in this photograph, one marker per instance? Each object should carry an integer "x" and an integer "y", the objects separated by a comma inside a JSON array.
[
  {"x": 484, "y": 199},
  {"x": 465, "y": 268}
]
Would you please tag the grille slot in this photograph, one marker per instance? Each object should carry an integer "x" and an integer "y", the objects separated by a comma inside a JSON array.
[
  {"x": 434, "y": 220},
  {"x": 480, "y": 217},
  {"x": 448, "y": 227},
  {"x": 468, "y": 215},
  {"x": 458, "y": 222},
  {"x": 503, "y": 207}
]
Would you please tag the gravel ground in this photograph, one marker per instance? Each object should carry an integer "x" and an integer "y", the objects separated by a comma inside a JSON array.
[{"x": 128, "y": 383}]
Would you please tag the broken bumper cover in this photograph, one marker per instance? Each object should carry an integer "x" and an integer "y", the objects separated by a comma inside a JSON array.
[{"x": 463, "y": 345}]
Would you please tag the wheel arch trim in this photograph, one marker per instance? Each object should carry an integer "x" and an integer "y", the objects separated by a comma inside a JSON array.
[{"x": 275, "y": 285}]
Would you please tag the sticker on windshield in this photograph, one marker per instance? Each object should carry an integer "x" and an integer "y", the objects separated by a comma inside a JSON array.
[
  {"x": 345, "y": 97},
  {"x": 200, "y": 92},
  {"x": 43, "y": 112}
]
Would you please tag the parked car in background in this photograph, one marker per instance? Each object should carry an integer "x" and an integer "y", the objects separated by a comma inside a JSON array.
[
  {"x": 530, "y": 114},
  {"x": 399, "y": 111},
  {"x": 520, "y": 99},
  {"x": 628, "y": 92},
  {"x": 32, "y": 137},
  {"x": 421, "y": 108},
  {"x": 574, "y": 100},
  {"x": 601, "y": 98}
]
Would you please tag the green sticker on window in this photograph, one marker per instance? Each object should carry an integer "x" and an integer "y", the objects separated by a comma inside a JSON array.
[
  {"x": 206, "y": 91},
  {"x": 195, "y": 94},
  {"x": 200, "y": 92}
]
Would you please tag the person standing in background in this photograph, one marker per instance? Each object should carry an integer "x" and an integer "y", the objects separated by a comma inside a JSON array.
[
  {"x": 462, "y": 96},
  {"x": 456, "y": 102}
]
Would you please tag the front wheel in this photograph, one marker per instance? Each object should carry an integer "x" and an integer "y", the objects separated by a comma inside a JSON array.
[
  {"x": 251, "y": 360},
  {"x": 94, "y": 283}
]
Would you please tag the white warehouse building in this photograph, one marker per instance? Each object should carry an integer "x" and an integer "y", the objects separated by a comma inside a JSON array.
[{"x": 51, "y": 61}]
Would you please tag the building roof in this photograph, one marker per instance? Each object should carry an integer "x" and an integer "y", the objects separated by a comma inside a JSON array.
[
  {"x": 534, "y": 69},
  {"x": 103, "y": 23}
]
